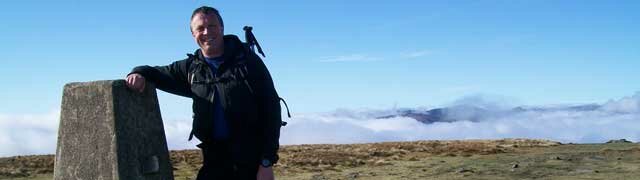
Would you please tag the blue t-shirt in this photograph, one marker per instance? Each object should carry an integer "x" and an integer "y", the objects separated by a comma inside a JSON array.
[{"x": 220, "y": 124}]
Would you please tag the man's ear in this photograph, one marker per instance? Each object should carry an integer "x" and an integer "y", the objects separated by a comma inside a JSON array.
[{"x": 191, "y": 30}]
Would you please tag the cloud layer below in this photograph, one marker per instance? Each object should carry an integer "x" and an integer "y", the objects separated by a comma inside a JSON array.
[
  {"x": 611, "y": 120},
  {"x": 616, "y": 119},
  {"x": 28, "y": 134}
]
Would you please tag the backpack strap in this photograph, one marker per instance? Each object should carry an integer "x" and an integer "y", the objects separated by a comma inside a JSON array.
[
  {"x": 251, "y": 42},
  {"x": 284, "y": 123},
  {"x": 246, "y": 82}
]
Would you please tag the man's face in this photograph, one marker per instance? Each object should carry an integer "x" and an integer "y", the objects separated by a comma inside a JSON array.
[{"x": 208, "y": 33}]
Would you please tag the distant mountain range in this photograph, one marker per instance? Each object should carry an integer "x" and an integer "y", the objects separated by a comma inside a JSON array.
[{"x": 475, "y": 114}]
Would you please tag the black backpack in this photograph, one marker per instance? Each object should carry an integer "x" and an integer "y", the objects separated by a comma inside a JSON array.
[{"x": 253, "y": 44}]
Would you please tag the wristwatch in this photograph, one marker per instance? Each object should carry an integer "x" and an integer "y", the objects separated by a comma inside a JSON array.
[{"x": 266, "y": 163}]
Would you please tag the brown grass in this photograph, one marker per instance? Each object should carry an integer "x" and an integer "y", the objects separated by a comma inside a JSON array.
[{"x": 456, "y": 159}]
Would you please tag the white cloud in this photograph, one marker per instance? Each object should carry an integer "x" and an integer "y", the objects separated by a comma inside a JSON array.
[
  {"x": 415, "y": 54},
  {"x": 594, "y": 127},
  {"x": 369, "y": 57},
  {"x": 28, "y": 134},
  {"x": 624, "y": 105},
  {"x": 616, "y": 119},
  {"x": 177, "y": 133},
  {"x": 349, "y": 58}
]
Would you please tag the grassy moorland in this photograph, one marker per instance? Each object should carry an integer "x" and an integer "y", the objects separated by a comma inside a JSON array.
[{"x": 468, "y": 159}]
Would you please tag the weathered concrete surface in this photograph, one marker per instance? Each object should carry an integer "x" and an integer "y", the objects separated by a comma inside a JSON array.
[{"x": 110, "y": 132}]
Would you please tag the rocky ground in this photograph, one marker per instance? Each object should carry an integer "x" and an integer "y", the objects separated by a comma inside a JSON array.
[{"x": 469, "y": 159}]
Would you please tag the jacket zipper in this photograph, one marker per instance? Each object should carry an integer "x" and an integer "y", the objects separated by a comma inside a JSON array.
[{"x": 215, "y": 88}]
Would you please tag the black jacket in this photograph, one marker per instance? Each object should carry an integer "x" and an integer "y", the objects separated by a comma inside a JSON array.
[{"x": 246, "y": 92}]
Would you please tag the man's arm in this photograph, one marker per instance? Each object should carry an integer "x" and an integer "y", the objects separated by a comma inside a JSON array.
[
  {"x": 171, "y": 78},
  {"x": 269, "y": 108}
]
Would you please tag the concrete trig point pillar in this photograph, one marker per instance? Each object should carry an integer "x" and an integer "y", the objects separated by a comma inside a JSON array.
[{"x": 110, "y": 132}]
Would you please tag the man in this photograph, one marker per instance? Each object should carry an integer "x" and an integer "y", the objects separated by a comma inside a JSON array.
[{"x": 235, "y": 105}]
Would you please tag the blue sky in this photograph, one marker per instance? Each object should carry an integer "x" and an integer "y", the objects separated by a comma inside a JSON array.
[
  {"x": 331, "y": 59},
  {"x": 331, "y": 54}
]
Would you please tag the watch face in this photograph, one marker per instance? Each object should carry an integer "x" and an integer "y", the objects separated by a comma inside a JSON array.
[{"x": 266, "y": 163}]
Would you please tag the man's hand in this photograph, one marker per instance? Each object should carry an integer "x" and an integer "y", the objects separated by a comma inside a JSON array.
[
  {"x": 136, "y": 82},
  {"x": 265, "y": 173}
]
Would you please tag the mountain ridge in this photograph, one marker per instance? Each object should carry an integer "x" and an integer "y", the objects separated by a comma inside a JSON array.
[{"x": 475, "y": 114}]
